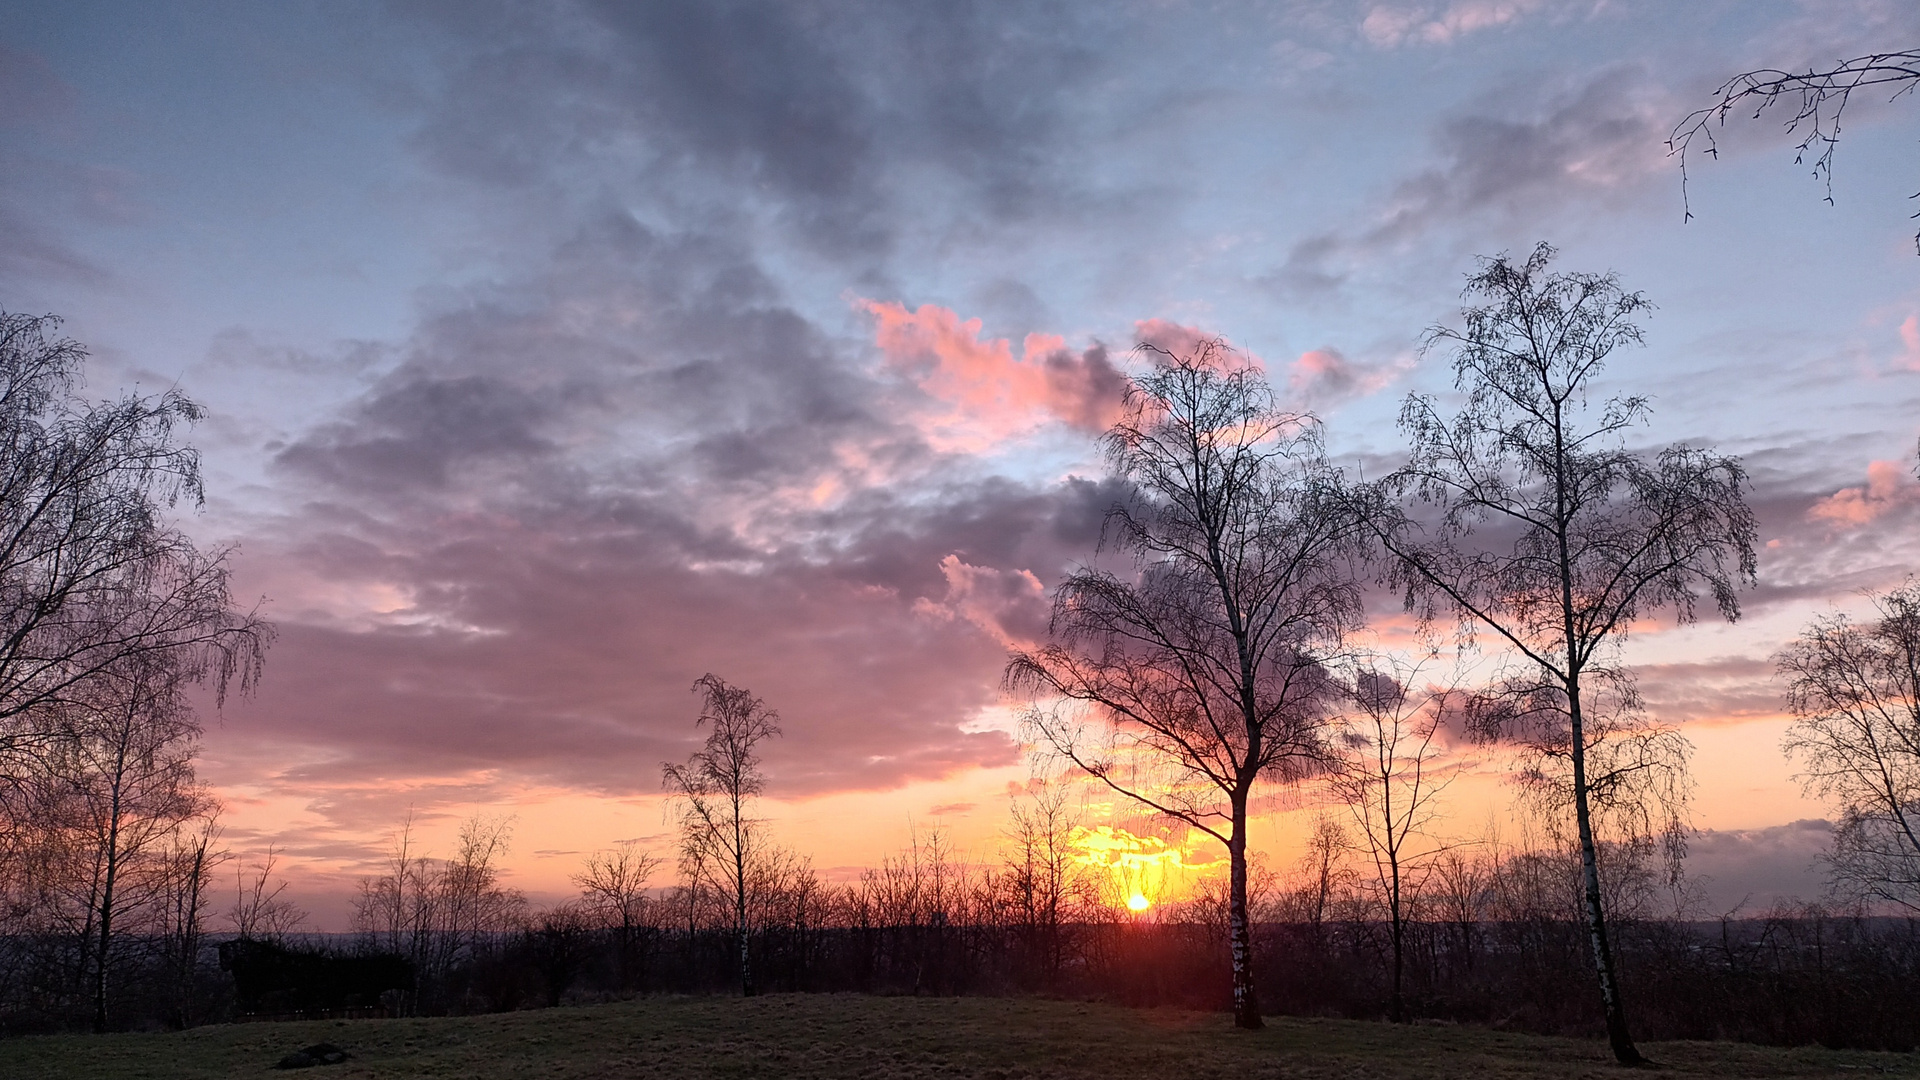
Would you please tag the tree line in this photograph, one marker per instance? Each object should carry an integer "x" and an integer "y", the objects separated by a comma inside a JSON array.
[{"x": 1492, "y": 934}]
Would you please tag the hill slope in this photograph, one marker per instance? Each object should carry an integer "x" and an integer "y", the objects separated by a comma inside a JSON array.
[{"x": 803, "y": 1037}]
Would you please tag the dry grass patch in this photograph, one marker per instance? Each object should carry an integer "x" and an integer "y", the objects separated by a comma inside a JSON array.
[{"x": 847, "y": 1037}]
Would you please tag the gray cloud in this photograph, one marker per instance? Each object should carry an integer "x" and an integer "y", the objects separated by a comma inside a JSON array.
[
  {"x": 557, "y": 645},
  {"x": 1752, "y": 870},
  {"x": 31, "y": 254},
  {"x": 822, "y": 113},
  {"x": 1720, "y": 690},
  {"x": 1597, "y": 140}
]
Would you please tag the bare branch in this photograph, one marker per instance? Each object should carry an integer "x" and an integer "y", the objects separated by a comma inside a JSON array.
[{"x": 1818, "y": 99}]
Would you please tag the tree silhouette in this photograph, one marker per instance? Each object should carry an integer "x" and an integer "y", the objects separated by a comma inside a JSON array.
[
  {"x": 614, "y": 886},
  {"x": 92, "y": 578},
  {"x": 1855, "y": 690},
  {"x": 1555, "y": 537},
  {"x": 1384, "y": 770},
  {"x": 720, "y": 842},
  {"x": 1205, "y": 666}
]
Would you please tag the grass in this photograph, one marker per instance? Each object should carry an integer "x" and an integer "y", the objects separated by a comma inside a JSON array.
[{"x": 803, "y": 1037}]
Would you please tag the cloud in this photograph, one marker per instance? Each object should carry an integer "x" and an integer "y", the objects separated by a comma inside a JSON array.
[
  {"x": 1593, "y": 141},
  {"x": 1889, "y": 485},
  {"x": 417, "y": 430},
  {"x": 1393, "y": 25},
  {"x": 1587, "y": 140},
  {"x": 1318, "y": 378},
  {"x": 38, "y": 189},
  {"x": 31, "y": 92},
  {"x": 1321, "y": 378},
  {"x": 1910, "y": 340},
  {"x": 1753, "y": 870},
  {"x": 1010, "y": 606},
  {"x": 990, "y": 395},
  {"x": 571, "y": 492},
  {"x": 1722, "y": 690},
  {"x": 666, "y": 357},
  {"x": 1182, "y": 340},
  {"x": 1173, "y": 337},
  {"x": 817, "y": 118},
  {"x": 30, "y": 253}
]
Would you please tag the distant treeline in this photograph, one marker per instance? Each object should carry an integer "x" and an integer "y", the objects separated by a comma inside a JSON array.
[
  {"x": 1792, "y": 978},
  {"x": 1497, "y": 941}
]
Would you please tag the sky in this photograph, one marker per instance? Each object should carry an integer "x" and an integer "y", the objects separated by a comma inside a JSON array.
[{"x": 556, "y": 354}]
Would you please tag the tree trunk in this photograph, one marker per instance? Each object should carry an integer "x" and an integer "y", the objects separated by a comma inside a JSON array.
[
  {"x": 190, "y": 937},
  {"x": 626, "y": 952},
  {"x": 1246, "y": 1005},
  {"x": 746, "y": 965},
  {"x": 740, "y": 928},
  {"x": 1396, "y": 1005},
  {"x": 106, "y": 926},
  {"x": 1617, "y": 1036}
]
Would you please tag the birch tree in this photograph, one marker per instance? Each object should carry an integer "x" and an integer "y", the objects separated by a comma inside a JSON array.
[
  {"x": 1854, "y": 690},
  {"x": 92, "y": 576},
  {"x": 1543, "y": 530},
  {"x": 720, "y": 840},
  {"x": 1385, "y": 772},
  {"x": 1186, "y": 682}
]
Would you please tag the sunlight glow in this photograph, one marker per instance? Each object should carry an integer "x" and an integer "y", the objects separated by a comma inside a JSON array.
[{"x": 1139, "y": 871}]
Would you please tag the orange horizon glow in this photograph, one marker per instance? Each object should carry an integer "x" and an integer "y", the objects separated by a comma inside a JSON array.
[
  {"x": 1743, "y": 783},
  {"x": 1138, "y": 871}
]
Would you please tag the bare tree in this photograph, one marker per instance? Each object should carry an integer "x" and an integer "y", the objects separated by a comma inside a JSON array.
[
  {"x": 1817, "y": 98},
  {"x": 720, "y": 839},
  {"x": 1386, "y": 744},
  {"x": 1045, "y": 878},
  {"x": 1855, "y": 690},
  {"x": 476, "y": 906},
  {"x": 1205, "y": 665},
  {"x": 614, "y": 886},
  {"x": 1321, "y": 880},
  {"x": 1552, "y": 535},
  {"x": 390, "y": 907},
  {"x": 188, "y": 886},
  {"x": 126, "y": 763},
  {"x": 91, "y": 576},
  {"x": 441, "y": 914},
  {"x": 261, "y": 909}
]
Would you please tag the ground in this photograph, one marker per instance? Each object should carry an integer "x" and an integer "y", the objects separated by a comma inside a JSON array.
[{"x": 803, "y": 1037}]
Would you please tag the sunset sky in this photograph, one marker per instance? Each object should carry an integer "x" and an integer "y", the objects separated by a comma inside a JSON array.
[{"x": 559, "y": 353}]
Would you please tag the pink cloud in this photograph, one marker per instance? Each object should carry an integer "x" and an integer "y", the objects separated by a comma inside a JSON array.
[
  {"x": 1323, "y": 377},
  {"x": 1393, "y": 25},
  {"x": 1888, "y": 485},
  {"x": 1182, "y": 340},
  {"x": 990, "y": 393},
  {"x": 1910, "y": 337},
  {"x": 1008, "y": 605},
  {"x": 1319, "y": 377}
]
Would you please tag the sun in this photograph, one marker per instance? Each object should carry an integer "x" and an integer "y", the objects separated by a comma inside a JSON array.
[{"x": 1137, "y": 902}]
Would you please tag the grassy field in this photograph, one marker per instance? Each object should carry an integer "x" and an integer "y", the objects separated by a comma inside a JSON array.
[{"x": 801, "y": 1037}]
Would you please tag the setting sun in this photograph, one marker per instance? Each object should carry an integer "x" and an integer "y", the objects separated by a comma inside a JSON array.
[{"x": 1139, "y": 871}]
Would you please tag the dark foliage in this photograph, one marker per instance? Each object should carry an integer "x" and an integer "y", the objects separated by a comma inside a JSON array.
[
  {"x": 278, "y": 979},
  {"x": 1796, "y": 977}
]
